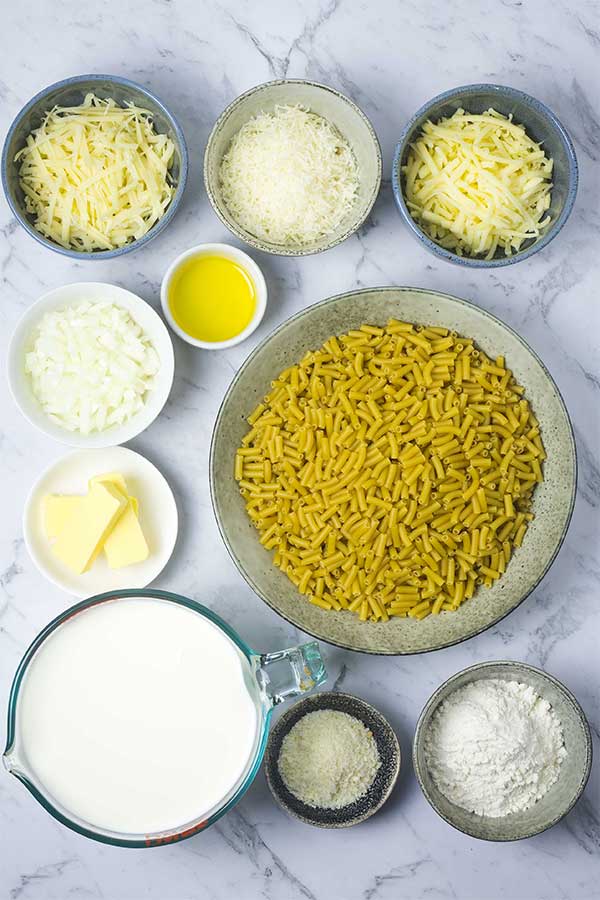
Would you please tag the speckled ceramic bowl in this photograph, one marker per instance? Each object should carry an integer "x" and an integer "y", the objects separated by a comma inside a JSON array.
[
  {"x": 350, "y": 121},
  {"x": 387, "y": 746},
  {"x": 541, "y": 125},
  {"x": 574, "y": 772},
  {"x": 71, "y": 92},
  {"x": 553, "y": 503}
]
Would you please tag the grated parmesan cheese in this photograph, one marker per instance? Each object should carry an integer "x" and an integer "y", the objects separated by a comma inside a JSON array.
[
  {"x": 328, "y": 759},
  {"x": 96, "y": 176},
  {"x": 289, "y": 177},
  {"x": 478, "y": 183}
]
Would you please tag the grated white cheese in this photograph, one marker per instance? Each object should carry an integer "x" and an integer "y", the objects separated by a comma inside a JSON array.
[
  {"x": 328, "y": 759},
  {"x": 478, "y": 183},
  {"x": 96, "y": 176},
  {"x": 289, "y": 176},
  {"x": 91, "y": 366}
]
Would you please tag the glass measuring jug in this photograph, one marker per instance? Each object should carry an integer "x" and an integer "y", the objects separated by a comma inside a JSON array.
[{"x": 140, "y": 717}]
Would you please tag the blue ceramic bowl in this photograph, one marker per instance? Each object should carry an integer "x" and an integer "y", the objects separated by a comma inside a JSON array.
[
  {"x": 540, "y": 123},
  {"x": 71, "y": 92}
]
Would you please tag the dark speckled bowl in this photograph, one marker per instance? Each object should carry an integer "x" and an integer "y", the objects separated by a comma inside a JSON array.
[
  {"x": 380, "y": 790},
  {"x": 71, "y": 92},
  {"x": 574, "y": 771},
  {"x": 540, "y": 123}
]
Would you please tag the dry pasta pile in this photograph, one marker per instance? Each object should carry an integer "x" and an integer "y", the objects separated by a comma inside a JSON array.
[{"x": 392, "y": 471}]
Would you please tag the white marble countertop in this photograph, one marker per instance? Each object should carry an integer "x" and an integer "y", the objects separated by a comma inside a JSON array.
[{"x": 389, "y": 57}]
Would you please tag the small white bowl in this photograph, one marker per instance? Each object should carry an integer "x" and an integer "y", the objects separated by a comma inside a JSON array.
[
  {"x": 158, "y": 517},
  {"x": 151, "y": 323},
  {"x": 245, "y": 262}
]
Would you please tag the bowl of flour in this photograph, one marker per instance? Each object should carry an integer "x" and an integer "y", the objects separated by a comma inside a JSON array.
[{"x": 502, "y": 751}]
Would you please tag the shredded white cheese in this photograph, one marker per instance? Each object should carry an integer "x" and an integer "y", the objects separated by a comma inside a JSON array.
[
  {"x": 328, "y": 759},
  {"x": 289, "y": 177},
  {"x": 96, "y": 176},
  {"x": 478, "y": 183},
  {"x": 91, "y": 366}
]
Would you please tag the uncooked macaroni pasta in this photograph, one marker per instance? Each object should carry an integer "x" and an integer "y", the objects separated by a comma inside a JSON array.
[{"x": 392, "y": 471}]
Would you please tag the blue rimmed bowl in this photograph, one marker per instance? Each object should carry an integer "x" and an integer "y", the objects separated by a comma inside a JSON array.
[
  {"x": 71, "y": 92},
  {"x": 541, "y": 125}
]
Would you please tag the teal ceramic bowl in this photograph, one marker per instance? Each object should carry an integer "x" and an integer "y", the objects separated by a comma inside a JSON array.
[
  {"x": 540, "y": 123},
  {"x": 553, "y": 499},
  {"x": 71, "y": 92},
  {"x": 574, "y": 771}
]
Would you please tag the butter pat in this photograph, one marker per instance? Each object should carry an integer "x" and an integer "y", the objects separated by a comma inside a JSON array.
[
  {"x": 85, "y": 532},
  {"x": 112, "y": 478},
  {"x": 58, "y": 509},
  {"x": 126, "y": 544}
]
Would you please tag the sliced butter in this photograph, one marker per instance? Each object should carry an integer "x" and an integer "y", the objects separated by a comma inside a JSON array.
[
  {"x": 58, "y": 509},
  {"x": 126, "y": 544},
  {"x": 113, "y": 478},
  {"x": 86, "y": 530}
]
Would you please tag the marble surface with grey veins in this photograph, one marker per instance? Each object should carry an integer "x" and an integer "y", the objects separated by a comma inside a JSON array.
[{"x": 389, "y": 57}]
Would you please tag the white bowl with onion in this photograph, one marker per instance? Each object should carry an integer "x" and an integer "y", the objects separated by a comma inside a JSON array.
[{"x": 107, "y": 407}]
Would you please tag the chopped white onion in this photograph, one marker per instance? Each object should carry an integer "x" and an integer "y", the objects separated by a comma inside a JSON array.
[{"x": 91, "y": 366}]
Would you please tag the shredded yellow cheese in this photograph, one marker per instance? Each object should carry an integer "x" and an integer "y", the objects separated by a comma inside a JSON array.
[
  {"x": 96, "y": 176},
  {"x": 289, "y": 176},
  {"x": 478, "y": 184}
]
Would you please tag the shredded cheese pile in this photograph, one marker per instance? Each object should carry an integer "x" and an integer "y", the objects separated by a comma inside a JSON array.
[
  {"x": 289, "y": 177},
  {"x": 478, "y": 183},
  {"x": 96, "y": 176},
  {"x": 91, "y": 366}
]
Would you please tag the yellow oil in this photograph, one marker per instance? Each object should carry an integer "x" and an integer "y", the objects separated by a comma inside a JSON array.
[{"x": 212, "y": 298}]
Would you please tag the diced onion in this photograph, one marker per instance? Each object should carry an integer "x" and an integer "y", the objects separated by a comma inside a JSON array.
[
  {"x": 91, "y": 366},
  {"x": 478, "y": 183}
]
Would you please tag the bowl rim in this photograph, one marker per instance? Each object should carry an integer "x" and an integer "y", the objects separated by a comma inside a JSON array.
[
  {"x": 555, "y": 227},
  {"x": 74, "y": 80},
  {"x": 281, "y": 725},
  {"x": 434, "y": 701},
  {"x": 280, "y": 249},
  {"x": 31, "y": 316},
  {"x": 229, "y": 251},
  {"x": 241, "y": 371}
]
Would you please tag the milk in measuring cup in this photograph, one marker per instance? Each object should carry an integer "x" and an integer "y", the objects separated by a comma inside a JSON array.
[{"x": 138, "y": 715}]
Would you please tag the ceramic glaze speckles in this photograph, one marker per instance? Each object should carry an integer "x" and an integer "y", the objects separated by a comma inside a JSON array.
[
  {"x": 385, "y": 779},
  {"x": 574, "y": 770},
  {"x": 553, "y": 499},
  {"x": 343, "y": 114}
]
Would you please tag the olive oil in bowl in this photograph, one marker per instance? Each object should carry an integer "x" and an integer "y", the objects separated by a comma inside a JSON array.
[{"x": 214, "y": 296}]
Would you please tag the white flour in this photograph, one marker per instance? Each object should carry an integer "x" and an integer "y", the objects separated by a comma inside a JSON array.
[{"x": 494, "y": 747}]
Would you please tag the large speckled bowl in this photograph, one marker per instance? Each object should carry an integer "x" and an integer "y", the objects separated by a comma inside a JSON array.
[
  {"x": 553, "y": 503},
  {"x": 349, "y": 120},
  {"x": 574, "y": 771},
  {"x": 383, "y": 784}
]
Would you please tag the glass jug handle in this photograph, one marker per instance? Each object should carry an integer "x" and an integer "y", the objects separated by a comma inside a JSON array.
[{"x": 291, "y": 672}]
